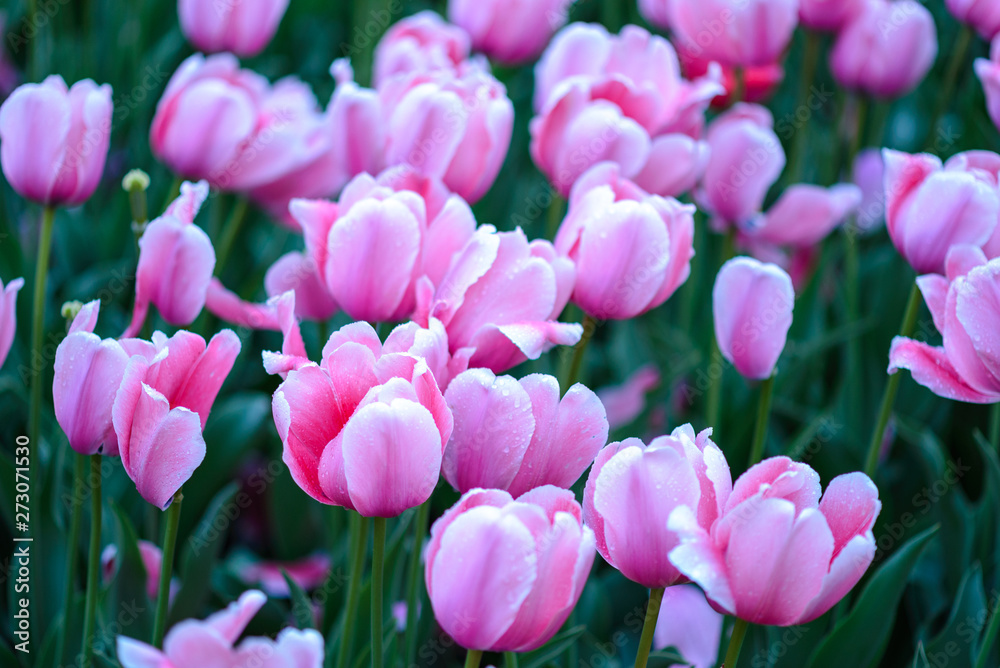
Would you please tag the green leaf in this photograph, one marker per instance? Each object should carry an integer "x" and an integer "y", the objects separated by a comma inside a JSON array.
[
  {"x": 860, "y": 638},
  {"x": 301, "y": 607},
  {"x": 128, "y": 593},
  {"x": 552, "y": 649},
  {"x": 956, "y": 644}
]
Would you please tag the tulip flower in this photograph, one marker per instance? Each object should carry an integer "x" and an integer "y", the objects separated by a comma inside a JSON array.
[
  {"x": 737, "y": 33},
  {"x": 298, "y": 272},
  {"x": 829, "y": 15},
  {"x": 624, "y": 403},
  {"x": 517, "y": 435},
  {"x": 429, "y": 343},
  {"x": 688, "y": 623},
  {"x": 500, "y": 298},
  {"x": 308, "y": 573},
  {"x": 966, "y": 311},
  {"x": 804, "y": 215},
  {"x": 632, "y": 250},
  {"x": 779, "y": 555},
  {"x": 152, "y": 560},
  {"x": 419, "y": 44},
  {"x": 754, "y": 84},
  {"x": 54, "y": 140},
  {"x": 191, "y": 642},
  {"x": 509, "y": 33},
  {"x": 988, "y": 72},
  {"x": 8, "y": 315},
  {"x": 656, "y": 12},
  {"x": 752, "y": 307},
  {"x": 932, "y": 207},
  {"x": 241, "y": 26},
  {"x": 504, "y": 574},
  {"x": 887, "y": 50},
  {"x": 982, "y": 15}
]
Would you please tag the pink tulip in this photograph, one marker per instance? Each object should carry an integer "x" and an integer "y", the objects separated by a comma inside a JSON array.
[
  {"x": 930, "y": 207},
  {"x": 509, "y": 32},
  {"x": 752, "y": 306},
  {"x": 308, "y": 573},
  {"x": 756, "y": 84},
  {"x": 682, "y": 469},
  {"x": 625, "y": 402},
  {"x": 152, "y": 560},
  {"x": 632, "y": 250},
  {"x": 501, "y": 298},
  {"x": 504, "y": 574},
  {"x": 88, "y": 372},
  {"x": 804, "y": 215},
  {"x": 54, "y": 140},
  {"x": 241, "y": 26},
  {"x": 746, "y": 159},
  {"x": 299, "y": 273},
  {"x": 656, "y": 12},
  {"x": 689, "y": 624},
  {"x": 869, "y": 176},
  {"x": 829, "y": 15},
  {"x": 176, "y": 261},
  {"x": 982, "y": 15},
  {"x": 365, "y": 429},
  {"x": 429, "y": 343},
  {"x": 517, "y": 435},
  {"x": 887, "y": 50},
  {"x": 988, "y": 72},
  {"x": 8, "y": 315},
  {"x": 418, "y": 44},
  {"x": 192, "y": 643},
  {"x": 736, "y": 33},
  {"x": 778, "y": 555},
  {"x": 966, "y": 310}
]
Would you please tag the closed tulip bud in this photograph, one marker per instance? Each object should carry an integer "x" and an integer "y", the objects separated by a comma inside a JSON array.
[
  {"x": 8, "y": 315},
  {"x": 752, "y": 306},
  {"x": 682, "y": 469},
  {"x": 419, "y": 44},
  {"x": 54, "y": 140},
  {"x": 241, "y": 26},
  {"x": 737, "y": 33},
  {"x": 504, "y": 574},
  {"x": 829, "y": 15},
  {"x": 509, "y": 32},
  {"x": 887, "y": 50},
  {"x": 778, "y": 555},
  {"x": 982, "y": 15}
]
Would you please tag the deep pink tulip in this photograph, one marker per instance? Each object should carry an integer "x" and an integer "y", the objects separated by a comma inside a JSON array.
[
  {"x": 752, "y": 307},
  {"x": 736, "y": 33},
  {"x": 804, "y": 215},
  {"x": 682, "y": 469},
  {"x": 8, "y": 315},
  {"x": 887, "y": 50},
  {"x": 632, "y": 250},
  {"x": 965, "y": 306},
  {"x": 417, "y": 44},
  {"x": 193, "y": 643},
  {"x": 308, "y": 573},
  {"x": 509, "y": 32},
  {"x": 625, "y": 402},
  {"x": 504, "y": 574},
  {"x": 152, "y": 560},
  {"x": 988, "y": 72},
  {"x": 778, "y": 555},
  {"x": 241, "y": 26},
  {"x": 54, "y": 139},
  {"x": 829, "y": 15},
  {"x": 982, "y": 15},
  {"x": 688, "y": 623},
  {"x": 931, "y": 207},
  {"x": 88, "y": 372},
  {"x": 176, "y": 261},
  {"x": 364, "y": 429},
  {"x": 517, "y": 435},
  {"x": 501, "y": 298}
]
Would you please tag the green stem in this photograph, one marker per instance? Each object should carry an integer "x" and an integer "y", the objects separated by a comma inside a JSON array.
[
  {"x": 230, "y": 233},
  {"x": 857, "y": 137},
  {"x": 166, "y": 569},
  {"x": 473, "y": 658},
  {"x": 810, "y": 58},
  {"x": 648, "y": 627},
  {"x": 995, "y": 426},
  {"x": 38, "y": 329},
  {"x": 955, "y": 67},
  {"x": 555, "y": 216},
  {"x": 93, "y": 561},
  {"x": 891, "y": 386},
  {"x": 736, "y": 643},
  {"x": 358, "y": 541},
  {"x": 589, "y": 326},
  {"x": 416, "y": 577},
  {"x": 79, "y": 473},
  {"x": 378, "y": 567},
  {"x": 988, "y": 639},
  {"x": 510, "y": 659},
  {"x": 763, "y": 415}
]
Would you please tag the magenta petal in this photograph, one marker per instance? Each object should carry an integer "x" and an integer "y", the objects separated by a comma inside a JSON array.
[
  {"x": 846, "y": 571},
  {"x": 931, "y": 367},
  {"x": 230, "y": 622},
  {"x": 934, "y": 289},
  {"x": 977, "y": 309},
  {"x": 135, "y": 654},
  {"x": 205, "y": 378},
  {"x": 698, "y": 558},
  {"x": 850, "y": 505}
]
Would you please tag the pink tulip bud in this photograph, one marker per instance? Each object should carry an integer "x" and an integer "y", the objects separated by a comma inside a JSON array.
[
  {"x": 966, "y": 310},
  {"x": 887, "y": 50},
  {"x": 190, "y": 642},
  {"x": 735, "y": 33},
  {"x": 804, "y": 215},
  {"x": 54, "y": 140},
  {"x": 504, "y": 574},
  {"x": 778, "y": 555},
  {"x": 365, "y": 429},
  {"x": 631, "y": 250},
  {"x": 152, "y": 561},
  {"x": 418, "y": 44},
  {"x": 509, "y": 32},
  {"x": 517, "y": 434},
  {"x": 982, "y": 15},
  {"x": 8, "y": 315},
  {"x": 752, "y": 306},
  {"x": 988, "y": 72},
  {"x": 688, "y": 623},
  {"x": 682, "y": 469},
  {"x": 931, "y": 207},
  {"x": 241, "y": 26},
  {"x": 829, "y": 15}
]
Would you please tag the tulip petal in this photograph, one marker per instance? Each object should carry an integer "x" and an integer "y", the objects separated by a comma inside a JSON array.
[{"x": 931, "y": 367}]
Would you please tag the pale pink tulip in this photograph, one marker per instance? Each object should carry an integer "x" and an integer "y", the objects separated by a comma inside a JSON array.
[
  {"x": 504, "y": 574},
  {"x": 625, "y": 402},
  {"x": 778, "y": 555},
  {"x": 8, "y": 315},
  {"x": 988, "y": 72},
  {"x": 657, "y": 12},
  {"x": 418, "y": 44},
  {"x": 869, "y": 176},
  {"x": 308, "y": 573},
  {"x": 688, "y": 623},
  {"x": 54, "y": 140},
  {"x": 736, "y": 33},
  {"x": 241, "y": 26},
  {"x": 829, "y": 15},
  {"x": 152, "y": 560},
  {"x": 277, "y": 314},
  {"x": 982, "y": 15},
  {"x": 804, "y": 215},
  {"x": 509, "y": 32}
]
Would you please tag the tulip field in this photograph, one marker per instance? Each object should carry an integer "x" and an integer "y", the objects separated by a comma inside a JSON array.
[{"x": 511, "y": 333}]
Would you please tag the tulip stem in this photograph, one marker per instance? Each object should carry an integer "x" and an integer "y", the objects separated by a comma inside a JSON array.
[
  {"x": 230, "y": 232},
  {"x": 810, "y": 58},
  {"x": 93, "y": 561},
  {"x": 648, "y": 626},
  {"x": 736, "y": 643},
  {"x": 510, "y": 659},
  {"x": 79, "y": 472},
  {"x": 589, "y": 327},
  {"x": 555, "y": 215},
  {"x": 891, "y": 386},
  {"x": 713, "y": 402},
  {"x": 473, "y": 658},
  {"x": 988, "y": 638},
  {"x": 955, "y": 66},
  {"x": 166, "y": 569},
  {"x": 423, "y": 516},
  {"x": 358, "y": 542},
  {"x": 378, "y": 566},
  {"x": 763, "y": 415}
]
